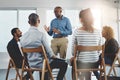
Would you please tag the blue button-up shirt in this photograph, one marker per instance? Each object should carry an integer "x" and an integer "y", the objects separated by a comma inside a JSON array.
[{"x": 63, "y": 25}]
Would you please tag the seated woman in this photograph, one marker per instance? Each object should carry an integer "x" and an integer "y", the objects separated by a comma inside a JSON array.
[
  {"x": 111, "y": 45},
  {"x": 87, "y": 35}
]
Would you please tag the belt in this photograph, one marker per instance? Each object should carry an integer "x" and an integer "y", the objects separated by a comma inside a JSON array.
[{"x": 60, "y": 37}]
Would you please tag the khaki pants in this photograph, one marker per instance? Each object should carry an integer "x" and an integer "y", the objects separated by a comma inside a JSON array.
[{"x": 59, "y": 45}]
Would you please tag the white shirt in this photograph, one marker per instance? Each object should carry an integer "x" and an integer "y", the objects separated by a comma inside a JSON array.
[{"x": 84, "y": 38}]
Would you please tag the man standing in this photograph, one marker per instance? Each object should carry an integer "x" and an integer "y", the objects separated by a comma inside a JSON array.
[
  {"x": 60, "y": 28},
  {"x": 34, "y": 38}
]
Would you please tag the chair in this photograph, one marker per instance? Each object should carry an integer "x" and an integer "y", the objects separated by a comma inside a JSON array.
[
  {"x": 89, "y": 48},
  {"x": 114, "y": 64},
  {"x": 12, "y": 65},
  {"x": 46, "y": 66}
]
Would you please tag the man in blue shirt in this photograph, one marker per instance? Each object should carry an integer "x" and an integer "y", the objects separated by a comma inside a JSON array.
[{"x": 60, "y": 28}]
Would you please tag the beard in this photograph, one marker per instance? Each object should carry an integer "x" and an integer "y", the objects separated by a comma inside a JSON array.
[
  {"x": 58, "y": 16},
  {"x": 19, "y": 35}
]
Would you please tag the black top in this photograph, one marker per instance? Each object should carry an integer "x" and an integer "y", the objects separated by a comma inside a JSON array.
[
  {"x": 14, "y": 52},
  {"x": 111, "y": 48}
]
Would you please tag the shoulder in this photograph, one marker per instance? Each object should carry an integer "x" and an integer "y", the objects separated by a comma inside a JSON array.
[
  {"x": 53, "y": 20},
  {"x": 11, "y": 43},
  {"x": 113, "y": 40},
  {"x": 78, "y": 31},
  {"x": 65, "y": 18}
]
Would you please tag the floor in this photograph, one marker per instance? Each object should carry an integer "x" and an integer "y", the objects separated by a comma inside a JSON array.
[
  {"x": 4, "y": 61},
  {"x": 36, "y": 76}
]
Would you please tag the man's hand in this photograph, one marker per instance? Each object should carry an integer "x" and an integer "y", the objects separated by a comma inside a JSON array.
[
  {"x": 71, "y": 60},
  {"x": 56, "y": 31},
  {"x": 46, "y": 28},
  {"x": 53, "y": 57}
]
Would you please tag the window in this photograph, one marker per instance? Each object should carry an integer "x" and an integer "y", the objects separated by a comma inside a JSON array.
[
  {"x": 23, "y": 19},
  {"x": 10, "y": 19},
  {"x": 118, "y": 25},
  {"x": 97, "y": 18},
  {"x": 73, "y": 15}
]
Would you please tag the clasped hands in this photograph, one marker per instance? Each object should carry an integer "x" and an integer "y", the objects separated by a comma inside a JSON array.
[{"x": 54, "y": 29}]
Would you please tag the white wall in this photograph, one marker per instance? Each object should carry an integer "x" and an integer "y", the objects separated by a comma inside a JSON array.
[{"x": 107, "y": 7}]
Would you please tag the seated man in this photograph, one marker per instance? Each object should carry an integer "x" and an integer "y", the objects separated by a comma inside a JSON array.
[
  {"x": 13, "y": 48},
  {"x": 34, "y": 38}
]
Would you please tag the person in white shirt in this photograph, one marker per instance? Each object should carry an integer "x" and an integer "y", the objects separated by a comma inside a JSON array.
[
  {"x": 87, "y": 35},
  {"x": 34, "y": 38}
]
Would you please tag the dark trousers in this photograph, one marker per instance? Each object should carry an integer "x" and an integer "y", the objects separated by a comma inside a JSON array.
[
  {"x": 56, "y": 63},
  {"x": 107, "y": 61},
  {"x": 59, "y": 64}
]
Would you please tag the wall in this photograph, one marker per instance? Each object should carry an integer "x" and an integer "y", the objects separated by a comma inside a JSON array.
[{"x": 107, "y": 7}]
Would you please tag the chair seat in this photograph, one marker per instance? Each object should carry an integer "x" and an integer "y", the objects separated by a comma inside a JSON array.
[
  {"x": 34, "y": 69},
  {"x": 115, "y": 65},
  {"x": 83, "y": 70}
]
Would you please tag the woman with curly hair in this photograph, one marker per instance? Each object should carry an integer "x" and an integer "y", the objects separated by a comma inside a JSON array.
[{"x": 111, "y": 45}]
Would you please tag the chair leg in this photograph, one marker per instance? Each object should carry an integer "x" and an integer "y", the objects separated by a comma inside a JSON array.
[
  {"x": 31, "y": 76},
  {"x": 114, "y": 72},
  {"x": 43, "y": 70},
  {"x": 17, "y": 73},
  {"x": 8, "y": 71},
  {"x": 110, "y": 71},
  {"x": 16, "y": 77},
  {"x": 49, "y": 69},
  {"x": 104, "y": 68},
  {"x": 75, "y": 68}
]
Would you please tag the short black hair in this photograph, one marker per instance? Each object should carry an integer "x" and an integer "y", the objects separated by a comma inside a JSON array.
[
  {"x": 58, "y": 7},
  {"x": 14, "y": 31},
  {"x": 33, "y": 18}
]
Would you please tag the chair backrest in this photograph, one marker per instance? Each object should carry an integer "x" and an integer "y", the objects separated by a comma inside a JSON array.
[
  {"x": 87, "y": 48},
  {"x": 41, "y": 50},
  {"x": 81, "y": 48},
  {"x": 30, "y": 50}
]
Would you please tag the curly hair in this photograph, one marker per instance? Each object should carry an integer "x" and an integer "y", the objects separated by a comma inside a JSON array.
[{"x": 109, "y": 33}]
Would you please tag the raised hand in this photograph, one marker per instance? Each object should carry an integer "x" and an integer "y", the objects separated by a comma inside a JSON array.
[
  {"x": 56, "y": 31},
  {"x": 46, "y": 28}
]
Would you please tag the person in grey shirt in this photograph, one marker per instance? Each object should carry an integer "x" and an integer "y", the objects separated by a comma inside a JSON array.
[{"x": 34, "y": 38}]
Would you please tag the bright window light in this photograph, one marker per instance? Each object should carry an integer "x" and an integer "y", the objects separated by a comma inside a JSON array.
[{"x": 97, "y": 18}]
